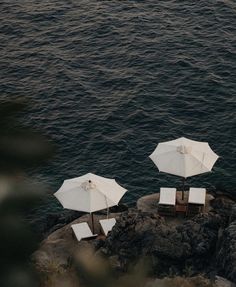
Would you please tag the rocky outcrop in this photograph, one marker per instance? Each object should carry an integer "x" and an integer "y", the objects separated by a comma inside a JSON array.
[
  {"x": 60, "y": 246},
  {"x": 223, "y": 206},
  {"x": 180, "y": 248},
  {"x": 222, "y": 282},
  {"x": 226, "y": 255},
  {"x": 226, "y": 246},
  {"x": 195, "y": 281},
  {"x": 56, "y": 220},
  {"x": 52, "y": 222},
  {"x": 133, "y": 234},
  {"x": 232, "y": 216}
]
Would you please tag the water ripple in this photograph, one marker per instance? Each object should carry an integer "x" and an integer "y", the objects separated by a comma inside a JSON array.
[{"x": 110, "y": 79}]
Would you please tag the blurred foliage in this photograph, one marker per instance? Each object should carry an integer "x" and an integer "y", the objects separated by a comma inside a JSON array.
[
  {"x": 90, "y": 269},
  {"x": 94, "y": 270},
  {"x": 20, "y": 148}
]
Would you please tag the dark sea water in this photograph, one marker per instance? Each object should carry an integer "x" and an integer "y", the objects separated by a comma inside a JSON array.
[{"x": 108, "y": 80}]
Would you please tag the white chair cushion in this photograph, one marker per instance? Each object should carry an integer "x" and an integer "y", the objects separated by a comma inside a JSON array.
[
  {"x": 82, "y": 230},
  {"x": 197, "y": 195},
  {"x": 107, "y": 224},
  {"x": 167, "y": 196}
]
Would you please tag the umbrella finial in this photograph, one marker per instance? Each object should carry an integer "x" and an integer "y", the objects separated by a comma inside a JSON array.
[{"x": 89, "y": 185}]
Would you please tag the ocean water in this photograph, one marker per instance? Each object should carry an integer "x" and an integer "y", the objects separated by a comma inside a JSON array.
[{"x": 108, "y": 80}]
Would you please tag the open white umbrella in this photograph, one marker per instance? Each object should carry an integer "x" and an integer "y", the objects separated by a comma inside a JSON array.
[
  {"x": 184, "y": 157},
  {"x": 89, "y": 193}
]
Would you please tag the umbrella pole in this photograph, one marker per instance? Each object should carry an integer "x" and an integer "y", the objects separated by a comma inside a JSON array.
[
  {"x": 107, "y": 206},
  {"x": 183, "y": 188},
  {"x": 92, "y": 223}
]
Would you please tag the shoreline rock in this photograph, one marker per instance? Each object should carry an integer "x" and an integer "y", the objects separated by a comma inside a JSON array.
[{"x": 204, "y": 244}]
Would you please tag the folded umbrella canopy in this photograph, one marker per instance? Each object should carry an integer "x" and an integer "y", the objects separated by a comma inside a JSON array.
[
  {"x": 89, "y": 193},
  {"x": 184, "y": 157}
]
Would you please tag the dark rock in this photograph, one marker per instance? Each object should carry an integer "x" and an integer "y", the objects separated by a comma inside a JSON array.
[
  {"x": 203, "y": 244},
  {"x": 233, "y": 213},
  {"x": 98, "y": 244},
  {"x": 226, "y": 257},
  {"x": 201, "y": 233},
  {"x": 196, "y": 281},
  {"x": 53, "y": 221},
  {"x": 220, "y": 191},
  {"x": 222, "y": 282},
  {"x": 118, "y": 208},
  {"x": 223, "y": 206},
  {"x": 139, "y": 234},
  {"x": 55, "y": 227},
  {"x": 133, "y": 234}
]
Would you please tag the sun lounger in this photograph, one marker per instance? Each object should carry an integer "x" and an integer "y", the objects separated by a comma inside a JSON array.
[
  {"x": 196, "y": 200},
  {"x": 107, "y": 224},
  {"x": 197, "y": 196},
  {"x": 167, "y": 201},
  {"x": 82, "y": 231}
]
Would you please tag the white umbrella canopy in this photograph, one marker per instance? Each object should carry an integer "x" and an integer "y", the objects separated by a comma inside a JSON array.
[
  {"x": 184, "y": 157},
  {"x": 89, "y": 193}
]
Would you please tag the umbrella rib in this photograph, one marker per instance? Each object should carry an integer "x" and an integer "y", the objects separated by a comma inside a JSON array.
[
  {"x": 105, "y": 199},
  {"x": 185, "y": 157},
  {"x": 163, "y": 153},
  {"x": 201, "y": 162},
  {"x": 184, "y": 160},
  {"x": 198, "y": 158},
  {"x": 75, "y": 195},
  {"x": 202, "y": 165}
]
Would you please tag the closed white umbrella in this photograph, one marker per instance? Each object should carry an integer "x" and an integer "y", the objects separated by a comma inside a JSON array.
[
  {"x": 184, "y": 157},
  {"x": 89, "y": 193}
]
